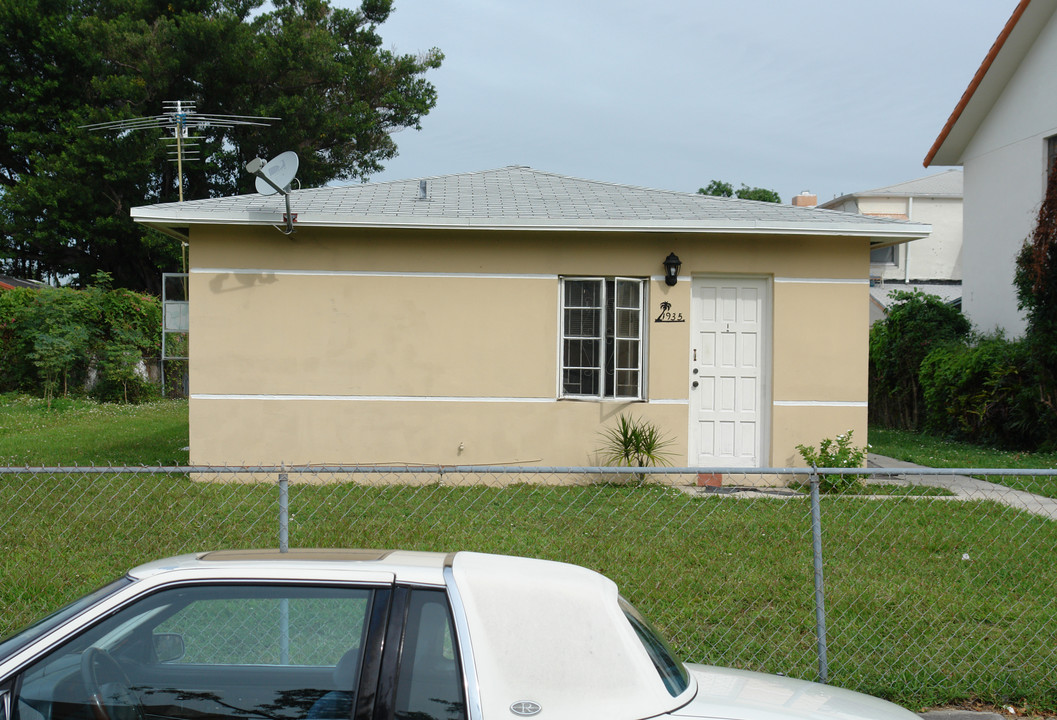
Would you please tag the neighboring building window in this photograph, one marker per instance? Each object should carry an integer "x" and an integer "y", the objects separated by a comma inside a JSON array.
[
  {"x": 1051, "y": 158},
  {"x": 602, "y": 342},
  {"x": 883, "y": 256}
]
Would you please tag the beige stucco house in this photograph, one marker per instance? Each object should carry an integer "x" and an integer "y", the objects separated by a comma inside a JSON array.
[
  {"x": 932, "y": 265},
  {"x": 507, "y": 316}
]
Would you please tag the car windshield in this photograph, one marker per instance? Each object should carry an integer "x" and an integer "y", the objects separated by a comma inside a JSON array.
[
  {"x": 673, "y": 673},
  {"x": 41, "y": 627}
]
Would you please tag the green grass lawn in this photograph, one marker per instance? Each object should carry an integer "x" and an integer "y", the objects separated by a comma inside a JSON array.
[
  {"x": 729, "y": 581},
  {"x": 929, "y": 601},
  {"x": 932, "y": 451},
  {"x": 82, "y": 432}
]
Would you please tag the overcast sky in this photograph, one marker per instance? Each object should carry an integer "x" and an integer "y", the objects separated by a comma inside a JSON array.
[{"x": 829, "y": 96}]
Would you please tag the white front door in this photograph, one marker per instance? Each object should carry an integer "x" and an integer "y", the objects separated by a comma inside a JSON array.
[{"x": 728, "y": 371}]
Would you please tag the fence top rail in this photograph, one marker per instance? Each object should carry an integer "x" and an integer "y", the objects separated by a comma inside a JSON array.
[{"x": 501, "y": 470}]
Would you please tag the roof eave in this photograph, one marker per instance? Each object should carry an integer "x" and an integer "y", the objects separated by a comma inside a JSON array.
[
  {"x": 1016, "y": 38},
  {"x": 897, "y": 232}
]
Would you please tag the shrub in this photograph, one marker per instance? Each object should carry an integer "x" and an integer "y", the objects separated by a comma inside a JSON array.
[
  {"x": 16, "y": 370},
  {"x": 839, "y": 453},
  {"x": 1036, "y": 284},
  {"x": 984, "y": 392},
  {"x": 914, "y": 325},
  {"x": 60, "y": 340}
]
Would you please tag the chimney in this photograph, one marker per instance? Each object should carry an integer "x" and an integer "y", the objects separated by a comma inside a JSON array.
[{"x": 805, "y": 199}]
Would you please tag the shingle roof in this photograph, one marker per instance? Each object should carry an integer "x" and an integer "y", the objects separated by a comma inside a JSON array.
[
  {"x": 518, "y": 197},
  {"x": 947, "y": 184},
  {"x": 9, "y": 283}
]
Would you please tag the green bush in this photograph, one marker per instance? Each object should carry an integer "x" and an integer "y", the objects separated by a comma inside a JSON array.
[
  {"x": 914, "y": 325},
  {"x": 984, "y": 392},
  {"x": 16, "y": 372},
  {"x": 839, "y": 453},
  {"x": 58, "y": 341}
]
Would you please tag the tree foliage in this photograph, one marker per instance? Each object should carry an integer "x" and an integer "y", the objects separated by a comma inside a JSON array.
[
  {"x": 914, "y": 325},
  {"x": 719, "y": 188},
  {"x": 1036, "y": 284},
  {"x": 65, "y": 192},
  {"x": 59, "y": 341}
]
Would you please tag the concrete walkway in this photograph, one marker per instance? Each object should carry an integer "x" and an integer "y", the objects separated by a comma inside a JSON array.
[
  {"x": 964, "y": 715},
  {"x": 966, "y": 488}
]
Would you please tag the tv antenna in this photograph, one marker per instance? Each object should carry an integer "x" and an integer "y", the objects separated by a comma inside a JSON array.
[
  {"x": 276, "y": 176},
  {"x": 181, "y": 120}
]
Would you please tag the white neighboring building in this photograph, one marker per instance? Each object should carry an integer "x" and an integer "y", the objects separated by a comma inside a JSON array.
[
  {"x": 1003, "y": 132},
  {"x": 932, "y": 264}
]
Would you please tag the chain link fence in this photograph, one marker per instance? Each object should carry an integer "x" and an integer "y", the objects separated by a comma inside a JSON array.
[{"x": 935, "y": 586}]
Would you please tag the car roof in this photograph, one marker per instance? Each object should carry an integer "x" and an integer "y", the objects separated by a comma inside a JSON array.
[
  {"x": 300, "y": 564},
  {"x": 554, "y": 635}
]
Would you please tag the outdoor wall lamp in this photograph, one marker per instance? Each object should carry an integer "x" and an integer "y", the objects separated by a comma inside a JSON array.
[{"x": 672, "y": 263}]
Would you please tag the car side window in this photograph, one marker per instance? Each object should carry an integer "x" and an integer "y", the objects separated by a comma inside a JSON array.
[
  {"x": 226, "y": 652},
  {"x": 429, "y": 681},
  {"x": 303, "y": 630}
]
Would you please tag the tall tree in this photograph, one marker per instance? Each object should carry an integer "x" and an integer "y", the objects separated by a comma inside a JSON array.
[
  {"x": 65, "y": 192},
  {"x": 717, "y": 188},
  {"x": 725, "y": 189}
]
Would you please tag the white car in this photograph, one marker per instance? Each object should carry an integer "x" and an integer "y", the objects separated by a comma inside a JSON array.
[{"x": 376, "y": 635}]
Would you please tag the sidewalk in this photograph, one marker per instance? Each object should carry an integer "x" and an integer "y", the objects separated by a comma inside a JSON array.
[
  {"x": 964, "y": 715},
  {"x": 967, "y": 488}
]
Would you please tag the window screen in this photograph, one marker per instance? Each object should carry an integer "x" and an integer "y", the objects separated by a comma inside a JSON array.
[{"x": 602, "y": 337}]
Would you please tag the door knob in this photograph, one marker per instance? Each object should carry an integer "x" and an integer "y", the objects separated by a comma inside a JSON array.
[{"x": 694, "y": 384}]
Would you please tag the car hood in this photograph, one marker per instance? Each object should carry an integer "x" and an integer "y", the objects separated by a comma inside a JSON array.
[{"x": 743, "y": 695}]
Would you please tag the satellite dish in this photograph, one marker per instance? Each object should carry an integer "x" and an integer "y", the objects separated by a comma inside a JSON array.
[
  {"x": 275, "y": 176},
  {"x": 280, "y": 170}
]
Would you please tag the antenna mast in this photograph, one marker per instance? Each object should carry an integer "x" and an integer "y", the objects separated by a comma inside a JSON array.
[{"x": 180, "y": 119}]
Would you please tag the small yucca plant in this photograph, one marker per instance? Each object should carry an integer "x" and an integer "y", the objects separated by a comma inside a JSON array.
[{"x": 634, "y": 443}]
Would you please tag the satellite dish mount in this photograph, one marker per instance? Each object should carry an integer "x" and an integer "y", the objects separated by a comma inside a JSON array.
[{"x": 276, "y": 176}]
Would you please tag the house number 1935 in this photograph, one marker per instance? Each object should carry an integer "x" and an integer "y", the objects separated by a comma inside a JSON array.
[{"x": 667, "y": 315}]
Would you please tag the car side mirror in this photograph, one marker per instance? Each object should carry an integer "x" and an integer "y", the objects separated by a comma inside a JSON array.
[{"x": 168, "y": 646}]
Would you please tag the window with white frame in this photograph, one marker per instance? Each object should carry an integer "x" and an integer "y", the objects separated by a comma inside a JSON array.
[{"x": 602, "y": 337}]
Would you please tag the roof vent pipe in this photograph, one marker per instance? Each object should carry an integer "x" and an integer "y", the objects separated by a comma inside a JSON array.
[{"x": 421, "y": 189}]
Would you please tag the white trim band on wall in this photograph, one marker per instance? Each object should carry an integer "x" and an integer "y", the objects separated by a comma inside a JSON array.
[
  {"x": 820, "y": 403},
  {"x": 412, "y": 398},
  {"x": 823, "y": 281},
  {"x": 364, "y": 273},
  {"x": 369, "y": 398}
]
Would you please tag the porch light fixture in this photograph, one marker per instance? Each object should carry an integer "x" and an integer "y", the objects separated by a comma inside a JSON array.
[{"x": 672, "y": 263}]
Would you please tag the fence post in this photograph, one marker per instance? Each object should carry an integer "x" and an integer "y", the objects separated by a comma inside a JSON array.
[
  {"x": 284, "y": 512},
  {"x": 820, "y": 595}
]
